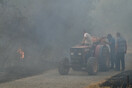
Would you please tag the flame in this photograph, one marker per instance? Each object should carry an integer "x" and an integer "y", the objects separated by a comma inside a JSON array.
[{"x": 21, "y": 53}]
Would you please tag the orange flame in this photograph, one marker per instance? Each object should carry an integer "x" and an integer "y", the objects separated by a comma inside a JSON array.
[{"x": 21, "y": 53}]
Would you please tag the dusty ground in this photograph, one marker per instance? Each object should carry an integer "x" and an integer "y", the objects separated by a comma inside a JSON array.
[{"x": 51, "y": 79}]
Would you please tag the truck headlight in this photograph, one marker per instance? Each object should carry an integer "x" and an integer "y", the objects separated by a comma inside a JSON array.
[
  {"x": 79, "y": 53},
  {"x": 72, "y": 53}
]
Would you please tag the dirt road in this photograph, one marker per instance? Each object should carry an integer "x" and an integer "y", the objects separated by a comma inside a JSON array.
[{"x": 51, "y": 79}]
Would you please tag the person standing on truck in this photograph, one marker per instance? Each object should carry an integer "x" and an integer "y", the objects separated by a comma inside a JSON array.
[
  {"x": 103, "y": 40},
  {"x": 121, "y": 48},
  {"x": 87, "y": 39},
  {"x": 112, "y": 49}
]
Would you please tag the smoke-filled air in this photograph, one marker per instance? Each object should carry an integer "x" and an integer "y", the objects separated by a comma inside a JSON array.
[{"x": 36, "y": 34}]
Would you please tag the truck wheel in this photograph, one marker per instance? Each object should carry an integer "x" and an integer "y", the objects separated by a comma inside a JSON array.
[
  {"x": 104, "y": 62},
  {"x": 63, "y": 67},
  {"x": 92, "y": 66}
]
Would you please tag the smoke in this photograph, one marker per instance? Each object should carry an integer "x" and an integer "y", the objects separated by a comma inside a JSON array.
[
  {"x": 110, "y": 16},
  {"x": 43, "y": 29},
  {"x": 46, "y": 29}
]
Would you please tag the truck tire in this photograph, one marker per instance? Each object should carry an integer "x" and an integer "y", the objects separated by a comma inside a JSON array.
[
  {"x": 63, "y": 67},
  {"x": 92, "y": 66}
]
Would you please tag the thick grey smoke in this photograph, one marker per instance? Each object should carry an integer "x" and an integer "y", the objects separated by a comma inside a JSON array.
[
  {"x": 46, "y": 29},
  {"x": 111, "y": 16}
]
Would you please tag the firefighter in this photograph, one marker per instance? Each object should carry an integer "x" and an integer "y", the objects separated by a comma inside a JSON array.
[
  {"x": 121, "y": 48},
  {"x": 87, "y": 39},
  {"x": 112, "y": 48},
  {"x": 103, "y": 40}
]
